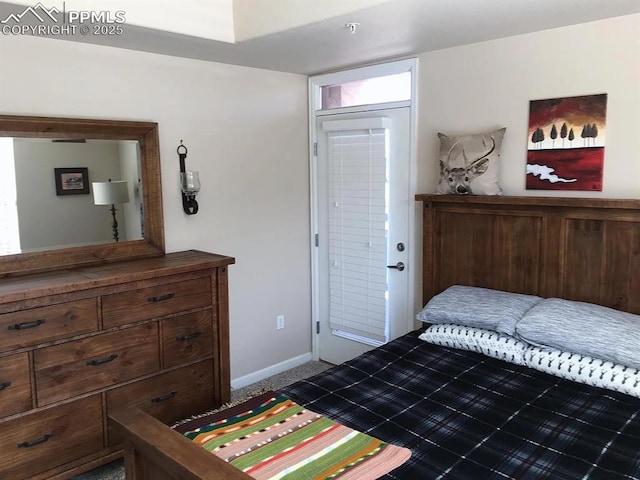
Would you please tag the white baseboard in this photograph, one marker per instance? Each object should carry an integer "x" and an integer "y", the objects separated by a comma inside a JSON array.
[{"x": 269, "y": 371}]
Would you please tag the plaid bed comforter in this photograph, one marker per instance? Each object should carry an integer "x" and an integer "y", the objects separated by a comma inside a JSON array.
[{"x": 468, "y": 416}]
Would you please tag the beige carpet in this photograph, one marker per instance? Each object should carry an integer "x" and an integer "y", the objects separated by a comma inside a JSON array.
[{"x": 115, "y": 470}]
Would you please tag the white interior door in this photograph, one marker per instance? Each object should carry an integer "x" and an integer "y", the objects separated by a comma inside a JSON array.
[{"x": 363, "y": 165}]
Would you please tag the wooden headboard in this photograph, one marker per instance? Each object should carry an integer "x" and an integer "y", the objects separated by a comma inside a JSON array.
[{"x": 585, "y": 249}]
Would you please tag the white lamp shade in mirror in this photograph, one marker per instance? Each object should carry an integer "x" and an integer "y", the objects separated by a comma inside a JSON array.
[{"x": 110, "y": 193}]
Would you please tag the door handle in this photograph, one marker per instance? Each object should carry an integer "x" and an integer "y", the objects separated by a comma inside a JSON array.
[{"x": 398, "y": 266}]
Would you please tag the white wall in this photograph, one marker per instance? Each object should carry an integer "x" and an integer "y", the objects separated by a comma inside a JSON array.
[
  {"x": 246, "y": 131},
  {"x": 480, "y": 87}
]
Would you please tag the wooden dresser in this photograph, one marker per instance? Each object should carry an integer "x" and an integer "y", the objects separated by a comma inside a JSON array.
[{"x": 77, "y": 344}]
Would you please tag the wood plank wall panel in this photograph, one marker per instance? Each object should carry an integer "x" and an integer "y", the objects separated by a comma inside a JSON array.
[
  {"x": 603, "y": 263},
  {"x": 582, "y": 270},
  {"x": 585, "y": 249},
  {"x": 618, "y": 266},
  {"x": 517, "y": 249},
  {"x": 491, "y": 250},
  {"x": 621, "y": 288}
]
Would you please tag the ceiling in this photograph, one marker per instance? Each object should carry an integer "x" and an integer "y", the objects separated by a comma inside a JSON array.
[{"x": 389, "y": 29}]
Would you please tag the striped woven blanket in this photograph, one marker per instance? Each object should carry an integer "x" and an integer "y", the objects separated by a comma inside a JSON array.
[{"x": 272, "y": 437}]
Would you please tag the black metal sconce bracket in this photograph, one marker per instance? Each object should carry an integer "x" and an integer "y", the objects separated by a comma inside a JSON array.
[{"x": 189, "y": 204}]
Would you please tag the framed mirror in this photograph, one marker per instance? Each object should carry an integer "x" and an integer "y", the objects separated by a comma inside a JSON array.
[{"x": 56, "y": 211}]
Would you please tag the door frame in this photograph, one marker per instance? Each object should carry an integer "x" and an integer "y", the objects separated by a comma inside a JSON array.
[{"x": 315, "y": 102}]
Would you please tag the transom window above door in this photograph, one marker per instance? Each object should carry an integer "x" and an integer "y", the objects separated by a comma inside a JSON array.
[{"x": 369, "y": 91}]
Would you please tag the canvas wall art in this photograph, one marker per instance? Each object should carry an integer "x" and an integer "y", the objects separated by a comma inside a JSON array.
[{"x": 566, "y": 143}]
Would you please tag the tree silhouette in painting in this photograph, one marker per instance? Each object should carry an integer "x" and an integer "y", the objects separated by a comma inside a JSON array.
[
  {"x": 553, "y": 135},
  {"x": 589, "y": 134},
  {"x": 563, "y": 132},
  {"x": 538, "y": 137}
]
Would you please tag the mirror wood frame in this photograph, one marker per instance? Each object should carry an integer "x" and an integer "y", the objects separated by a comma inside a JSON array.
[{"x": 146, "y": 133}]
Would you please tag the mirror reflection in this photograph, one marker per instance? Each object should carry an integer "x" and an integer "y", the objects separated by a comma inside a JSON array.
[{"x": 47, "y": 199}]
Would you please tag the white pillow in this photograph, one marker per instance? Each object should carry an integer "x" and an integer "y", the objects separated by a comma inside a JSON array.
[
  {"x": 478, "y": 307},
  {"x": 584, "y": 369},
  {"x": 487, "y": 342}
]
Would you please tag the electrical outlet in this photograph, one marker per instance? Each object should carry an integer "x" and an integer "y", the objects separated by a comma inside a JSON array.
[{"x": 280, "y": 322}]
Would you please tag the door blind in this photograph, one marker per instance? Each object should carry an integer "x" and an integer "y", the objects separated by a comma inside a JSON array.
[{"x": 358, "y": 223}]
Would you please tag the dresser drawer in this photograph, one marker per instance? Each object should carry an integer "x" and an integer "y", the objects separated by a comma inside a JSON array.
[
  {"x": 43, "y": 324},
  {"x": 187, "y": 337},
  {"x": 156, "y": 301},
  {"x": 168, "y": 397},
  {"x": 96, "y": 362},
  {"x": 51, "y": 437},
  {"x": 15, "y": 384}
]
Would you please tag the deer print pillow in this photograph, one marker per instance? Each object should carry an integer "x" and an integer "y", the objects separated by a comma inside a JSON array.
[
  {"x": 584, "y": 369},
  {"x": 490, "y": 343},
  {"x": 469, "y": 164}
]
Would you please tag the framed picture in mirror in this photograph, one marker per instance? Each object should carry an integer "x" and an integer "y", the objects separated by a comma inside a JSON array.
[{"x": 72, "y": 181}]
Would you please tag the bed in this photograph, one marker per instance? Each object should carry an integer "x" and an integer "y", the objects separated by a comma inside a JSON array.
[{"x": 482, "y": 411}]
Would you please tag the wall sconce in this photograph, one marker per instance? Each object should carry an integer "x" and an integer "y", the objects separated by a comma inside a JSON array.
[
  {"x": 189, "y": 182},
  {"x": 110, "y": 193}
]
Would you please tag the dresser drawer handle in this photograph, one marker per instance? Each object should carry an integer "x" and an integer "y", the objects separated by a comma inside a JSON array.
[
  {"x": 102, "y": 361},
  {"x": 25, "y": 325},
  {"x": 33, "y": 443},
  {"x": 189, "y": 336},
  {"x": 4, "y": 385},
  {"x": 161, "y": 298},
  {"x": 164, "y": 398}
]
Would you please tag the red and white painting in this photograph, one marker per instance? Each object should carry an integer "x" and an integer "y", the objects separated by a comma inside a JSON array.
[{"x": 566, "y": 143}]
